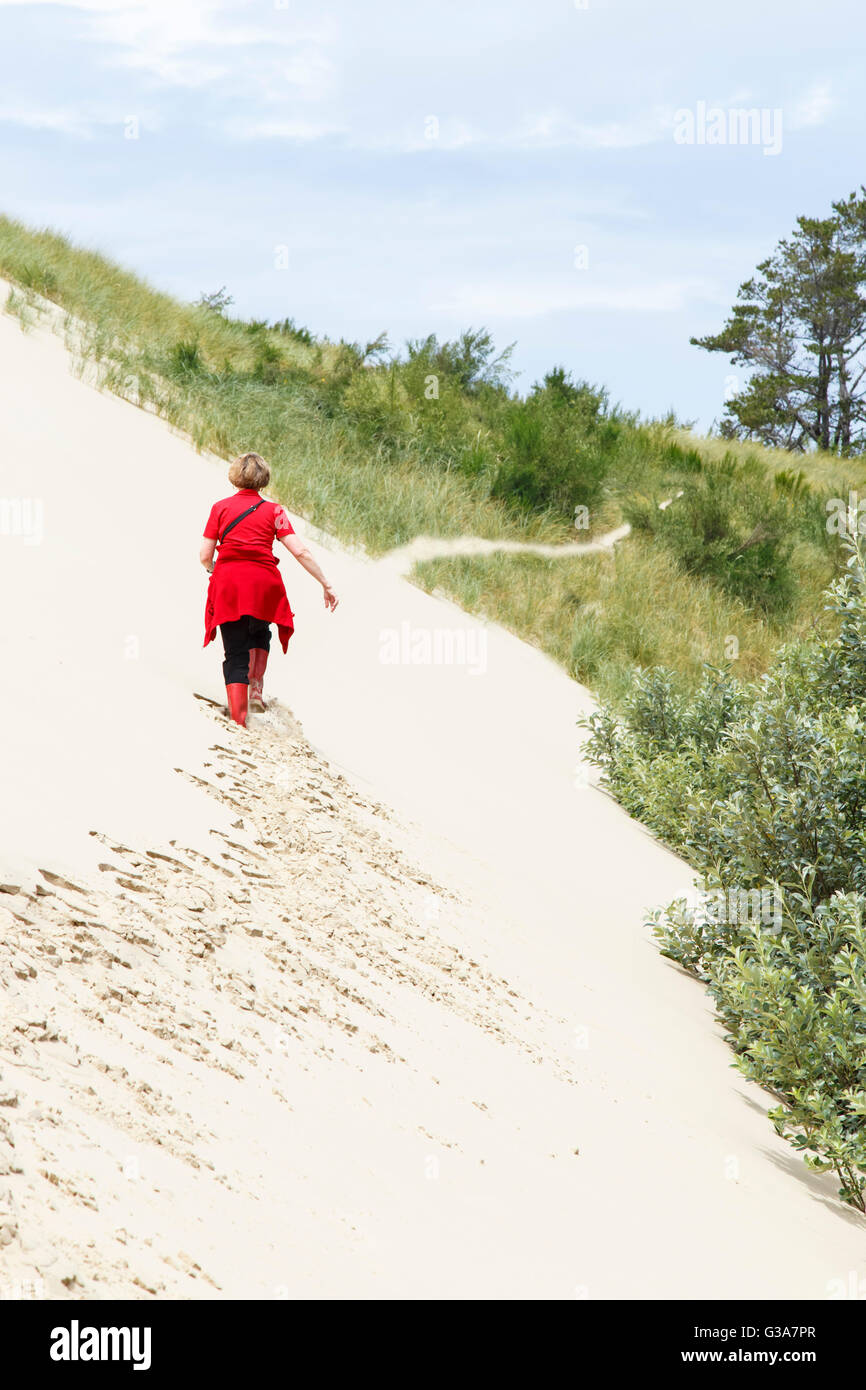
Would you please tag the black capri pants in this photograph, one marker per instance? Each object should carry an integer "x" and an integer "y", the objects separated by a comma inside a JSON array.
[{"x": 239, "y": 638}]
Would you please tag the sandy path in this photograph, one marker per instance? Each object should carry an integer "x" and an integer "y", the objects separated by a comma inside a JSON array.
[
  {"x": 402, "y": 560},
  {"x": 680, "y": 1187}
]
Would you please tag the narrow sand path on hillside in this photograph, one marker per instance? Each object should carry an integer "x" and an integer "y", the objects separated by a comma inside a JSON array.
[
  {"x": 564, "y": 1121},
  {"x": 402, "y": 560}
]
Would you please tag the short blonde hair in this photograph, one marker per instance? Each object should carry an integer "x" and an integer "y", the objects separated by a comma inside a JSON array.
[{"x": 249, "y": 470}]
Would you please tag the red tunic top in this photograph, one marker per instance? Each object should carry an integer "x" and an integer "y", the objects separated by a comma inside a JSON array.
[{"x": 245, "y": 578}]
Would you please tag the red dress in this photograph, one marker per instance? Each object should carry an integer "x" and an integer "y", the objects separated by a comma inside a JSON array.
[{"x": 245, "y": 579}]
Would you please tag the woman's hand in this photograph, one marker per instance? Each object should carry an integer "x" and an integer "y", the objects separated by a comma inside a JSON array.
[{"x": 331, "y": 599}]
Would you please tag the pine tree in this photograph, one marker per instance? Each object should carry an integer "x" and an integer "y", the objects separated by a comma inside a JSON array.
[{"x": 800, "y": 325}]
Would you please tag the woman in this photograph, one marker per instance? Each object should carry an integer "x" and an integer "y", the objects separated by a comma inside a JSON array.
[{"x": 246, "y": 592}]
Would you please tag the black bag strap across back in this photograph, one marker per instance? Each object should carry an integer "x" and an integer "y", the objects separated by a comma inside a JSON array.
[{"x": 233, "y": 524}]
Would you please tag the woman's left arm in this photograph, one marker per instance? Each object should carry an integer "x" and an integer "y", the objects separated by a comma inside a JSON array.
[
  {"x": 295, "y": 546},
  {"x": 206, "y": 553}
]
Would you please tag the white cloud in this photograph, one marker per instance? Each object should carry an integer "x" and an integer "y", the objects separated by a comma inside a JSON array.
[
  {"x": 274, "y": 128},
  {"x": 532, "y": 300},
  {"x": 547, "y": 131},
  {"x": 540, "y": 130},
  {"x": 550, "y": 129},
  {"x": 83, "y": 122},
  {"x": 813, "y": 108},
  {"x": 194, "y": 43},
  {"x": 62, "y": 119},
  {"x": 452, "y": 133}
]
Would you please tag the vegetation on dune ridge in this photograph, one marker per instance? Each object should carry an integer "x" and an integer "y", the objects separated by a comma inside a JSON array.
[
  {"x": 380, "y": 447},
  {"x": 361, "y": 449}
]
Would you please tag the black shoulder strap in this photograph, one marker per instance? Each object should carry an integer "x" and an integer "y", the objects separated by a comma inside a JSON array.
[{"x": 233, "y": 524}]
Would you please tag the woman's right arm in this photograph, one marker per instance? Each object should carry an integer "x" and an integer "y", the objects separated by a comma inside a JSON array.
[
  {"x": 205, "y": 553},
  {"x": 295, "y": 546},
  {"x": 209, "y": 539}
]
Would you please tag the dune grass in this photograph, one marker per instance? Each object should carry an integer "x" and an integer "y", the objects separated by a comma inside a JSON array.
[{"x": 826, "y": 471}]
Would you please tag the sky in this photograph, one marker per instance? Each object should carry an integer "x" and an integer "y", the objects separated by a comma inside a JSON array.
[{"x": 570, "y": 174}]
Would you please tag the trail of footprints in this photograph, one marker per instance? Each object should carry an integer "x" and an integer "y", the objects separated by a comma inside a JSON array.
[{"x": 302, "y": 924}]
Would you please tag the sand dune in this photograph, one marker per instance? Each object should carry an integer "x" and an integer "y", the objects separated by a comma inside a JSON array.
[{"x": 358, "y": 1002}]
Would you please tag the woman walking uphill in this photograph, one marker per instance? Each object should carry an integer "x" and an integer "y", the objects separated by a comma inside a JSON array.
[{"x": 246, "y": 592}]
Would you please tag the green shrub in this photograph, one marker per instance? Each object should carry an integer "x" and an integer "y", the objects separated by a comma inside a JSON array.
[
  {"x": 269, "y": 366},
  {"x": 730, "y": 525},
  {"x": 557, "y": 447},
  {"x": 793, "y": 1001},
  {"x": 377, "y": 404},
  {"x": 470, "y": 361},
  {"x": 763, "y": 788}
]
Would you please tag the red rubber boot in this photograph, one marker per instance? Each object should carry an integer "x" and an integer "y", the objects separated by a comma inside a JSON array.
[
  {"x": 258, "y": 663},
  {"x": 237, "y": 698}
]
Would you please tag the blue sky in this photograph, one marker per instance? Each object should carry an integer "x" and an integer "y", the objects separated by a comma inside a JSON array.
[{"x": 424, "y": 167}]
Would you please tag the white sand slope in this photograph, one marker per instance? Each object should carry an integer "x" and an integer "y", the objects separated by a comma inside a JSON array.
[{"x": 316, "y": 1048}]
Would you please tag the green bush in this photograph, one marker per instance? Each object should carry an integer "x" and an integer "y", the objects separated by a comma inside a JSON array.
[
  {"x": 377, "y": 404},
  {"x": 269, "y": 366},
  {"x": 793, "y": 1002},
  {"x": 729, "y": 525},
  {"x": 763, "y": 788},
  {"x": 470, "y": 361},
  {"x": 557, "y": 447}
]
